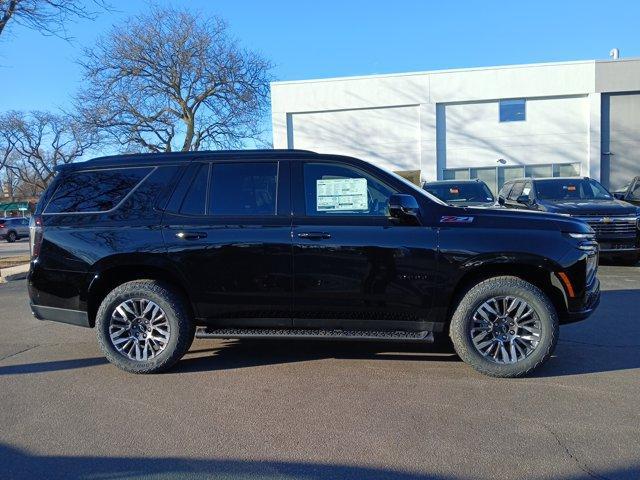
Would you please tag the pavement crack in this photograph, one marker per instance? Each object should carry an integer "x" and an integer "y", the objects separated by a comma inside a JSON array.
[
  {"x": 598, "y": 344},
  {"x": 18, "y": 353},
  {"x": 586, "y": 470}
]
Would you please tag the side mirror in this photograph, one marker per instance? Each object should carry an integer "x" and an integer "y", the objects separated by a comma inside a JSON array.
[
  {"x": 501, "y": 201},
  {"x": 619, "y": 195},
  {"x": 403, "y": 206},
  {"x": 524, "y": 200}
]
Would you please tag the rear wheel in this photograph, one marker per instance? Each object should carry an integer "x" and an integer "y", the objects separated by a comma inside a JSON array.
[
  {"x": 504, "y": 327},
  {"x": 144, "y": 326},
  {"x": 11, "y": 237}
]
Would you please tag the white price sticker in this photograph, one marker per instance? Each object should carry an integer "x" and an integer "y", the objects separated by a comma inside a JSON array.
[{"x": 341, "y": 194}]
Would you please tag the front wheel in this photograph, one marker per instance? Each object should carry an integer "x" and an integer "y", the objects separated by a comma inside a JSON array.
[
  {"x": 144, "y": 326},
  {"x": 504, "y": 327}
]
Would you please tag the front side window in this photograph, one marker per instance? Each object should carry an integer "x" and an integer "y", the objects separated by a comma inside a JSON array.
[
  {"x": 334, "y": 189},
  {"x": 513, "y": 110},
  {"x": 94, "y": 191},
  {"x": 516, "y": 191},
  {"x": 243, "y": 189}
]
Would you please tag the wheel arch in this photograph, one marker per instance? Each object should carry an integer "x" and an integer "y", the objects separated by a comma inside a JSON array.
[
  {"x": 538, "y": 272},
  {"x": 106, "y": 279}
]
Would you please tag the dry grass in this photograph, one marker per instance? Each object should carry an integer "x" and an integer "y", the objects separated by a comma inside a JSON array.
[{"x": 6, "y": 262}]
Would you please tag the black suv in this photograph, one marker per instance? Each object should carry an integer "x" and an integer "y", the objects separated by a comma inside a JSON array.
[
  {"x": 615, "y": 222},
  {"x": 461, "y": 193},
  {"x": 152, "y": 249}
]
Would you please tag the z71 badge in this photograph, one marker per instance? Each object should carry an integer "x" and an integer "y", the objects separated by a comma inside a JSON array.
[{"x": 455, "y": 219}]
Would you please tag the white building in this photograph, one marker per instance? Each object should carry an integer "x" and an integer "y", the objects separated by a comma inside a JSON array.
[{"x": 496, "y": 123}]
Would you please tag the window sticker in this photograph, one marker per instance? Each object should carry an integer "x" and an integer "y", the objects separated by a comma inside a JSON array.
[
  {"x": 341, "y": 194},
  {"x": 526, "y": 191}
]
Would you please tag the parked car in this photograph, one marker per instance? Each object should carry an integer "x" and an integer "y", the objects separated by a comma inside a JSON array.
[
  {"x": 462, "y": 193},
  {"x": 630, "y": 193},
  {"x": 13, "y": 228},
  {"x": 150, "y": 249},
  {"x": 615, "y": 222}
]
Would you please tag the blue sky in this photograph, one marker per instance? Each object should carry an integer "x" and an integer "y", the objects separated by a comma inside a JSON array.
[{"x": 314, "y": 39}]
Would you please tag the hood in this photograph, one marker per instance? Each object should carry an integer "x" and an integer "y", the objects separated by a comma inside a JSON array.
[
  {"x": 513, "y": 219},
  {"x": 473, "y": 204},
  {"x": 588, "y": 207}
]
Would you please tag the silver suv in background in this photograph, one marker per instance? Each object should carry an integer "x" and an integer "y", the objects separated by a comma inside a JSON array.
[{"x": 11, "y": 229}]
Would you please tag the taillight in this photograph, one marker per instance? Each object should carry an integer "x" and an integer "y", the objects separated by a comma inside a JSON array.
[{"x": 36, "y": 231}]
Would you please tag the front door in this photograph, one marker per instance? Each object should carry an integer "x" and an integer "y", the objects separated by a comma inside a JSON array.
[
  {"x": 228, "y": 232},
  {"x": 354, "y": 267}
]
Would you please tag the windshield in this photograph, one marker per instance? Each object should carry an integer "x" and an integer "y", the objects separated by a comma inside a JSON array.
[
  {"x": 571, "y": 189},
  {"x": 461, "y": 192}
]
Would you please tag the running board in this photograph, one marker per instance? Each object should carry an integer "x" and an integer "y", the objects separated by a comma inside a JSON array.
[{"x": 318, "y": 334}]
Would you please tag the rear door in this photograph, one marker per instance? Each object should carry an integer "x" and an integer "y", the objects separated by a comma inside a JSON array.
[
  {"x": 228, "y": 230},
  {"x": 22, "y": 227},
  {"x": 354, "y": 266}
]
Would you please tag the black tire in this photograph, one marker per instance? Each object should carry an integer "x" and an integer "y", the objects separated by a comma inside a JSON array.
[
  {"x": 174, "y": 305},
  {"x": 462, "y": 321},
  {"x": 12, "y": 237}
]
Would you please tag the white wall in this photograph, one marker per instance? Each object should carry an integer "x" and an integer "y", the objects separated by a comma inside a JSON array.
[
  {"x": 388, "y": 137},
  {"x": 556, "y": 130},
  {"x": 381, "y": 118}
]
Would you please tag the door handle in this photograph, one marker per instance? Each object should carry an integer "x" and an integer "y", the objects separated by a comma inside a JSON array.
[
  {"x": 314, "y": 235},
  {"x": 191, "y": 235}
]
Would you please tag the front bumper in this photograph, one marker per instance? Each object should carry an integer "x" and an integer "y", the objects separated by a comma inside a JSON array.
[{"x": 588, "y": 305}]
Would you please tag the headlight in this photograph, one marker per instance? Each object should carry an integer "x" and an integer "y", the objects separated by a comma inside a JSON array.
[
  {"x": 587, "y": 241},
  {"x": 583, "y": 236}
]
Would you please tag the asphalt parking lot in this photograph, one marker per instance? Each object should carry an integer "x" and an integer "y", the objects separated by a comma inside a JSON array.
[
  {"x": 312, "y": 410},
  {"x": 19, "y": 247}
]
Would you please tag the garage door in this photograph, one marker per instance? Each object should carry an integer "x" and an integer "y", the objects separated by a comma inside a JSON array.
[
  {"x": 388, "y": 137},
  {"x": 620, "y": 139}
]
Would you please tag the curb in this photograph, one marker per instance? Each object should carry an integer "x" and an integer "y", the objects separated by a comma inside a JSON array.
[{"x": 18, "y": 272}]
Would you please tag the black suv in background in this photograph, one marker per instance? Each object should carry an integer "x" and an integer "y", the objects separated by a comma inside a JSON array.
[
  {"x": 615, "y": 222},
  {"x": 150, "y": 249},
  {"x": 461, "y": 193}
]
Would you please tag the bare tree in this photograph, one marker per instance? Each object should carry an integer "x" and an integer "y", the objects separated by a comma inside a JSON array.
[
  {"x": 41, "y": 141},
  {"x": 47, "y": 16},
  {"x": 174, "y": 80}
]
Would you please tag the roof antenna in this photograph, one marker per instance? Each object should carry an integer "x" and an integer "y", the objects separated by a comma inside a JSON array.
[{"x": 614, "y": 53}]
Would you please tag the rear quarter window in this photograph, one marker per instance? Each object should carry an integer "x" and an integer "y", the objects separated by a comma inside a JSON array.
[{"x": 94, "y": 190}]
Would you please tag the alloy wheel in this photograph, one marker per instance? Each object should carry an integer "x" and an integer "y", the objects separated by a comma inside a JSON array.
[
  {"x": 139, "y": 329},
  {"x": 505, "y": 329}
]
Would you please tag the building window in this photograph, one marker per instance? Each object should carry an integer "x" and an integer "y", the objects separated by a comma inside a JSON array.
[
  {"x": 495, "y": 177},
  {"x": 513, "y": 110}
]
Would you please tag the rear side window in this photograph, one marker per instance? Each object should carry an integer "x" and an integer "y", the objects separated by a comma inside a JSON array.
[
  {"x": 95, "y": 190},
  {"x": 243, "y": 189},
  {"x": 196, "y": 198}
]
